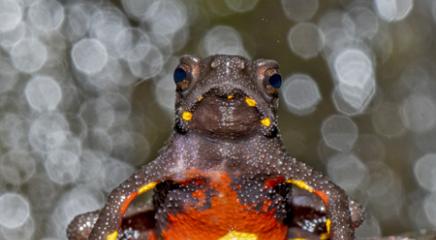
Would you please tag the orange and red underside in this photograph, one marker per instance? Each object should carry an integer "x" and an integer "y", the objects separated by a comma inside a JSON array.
[{"x": 226, "y": 213}]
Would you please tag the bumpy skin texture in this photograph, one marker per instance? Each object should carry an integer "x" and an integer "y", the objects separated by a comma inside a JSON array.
[{"x": 225, "y": 148}]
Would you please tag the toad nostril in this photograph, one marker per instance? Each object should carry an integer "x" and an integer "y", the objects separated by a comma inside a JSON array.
[
  {"x": 239, "y": 63},
  {"x": 214, "y": 63}
]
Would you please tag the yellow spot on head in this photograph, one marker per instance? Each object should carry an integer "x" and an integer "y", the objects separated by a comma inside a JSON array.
[
  {"x": 301, "y": 184},
  {"x": 235, "y": 235},
  {"x": 266, "y": 122},
  {"x": 187, "y": 116},
  {"x": 112, "y": 236},
  {"x": 147, "y": 187},
  {"x": 250, "y": 102},
  {"x": 230, "y": 97}
]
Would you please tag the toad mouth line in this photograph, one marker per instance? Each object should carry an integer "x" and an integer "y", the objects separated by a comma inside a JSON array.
[{"x": 229, "y": 100}]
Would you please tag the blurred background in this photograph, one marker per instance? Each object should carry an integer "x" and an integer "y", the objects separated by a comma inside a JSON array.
[{"x": 86, "y": 96}]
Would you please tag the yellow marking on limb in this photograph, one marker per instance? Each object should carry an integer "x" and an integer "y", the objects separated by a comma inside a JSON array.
[
  {"x": 199, "y": 98},
  {"x": 147, "y": 187},
  {"x": 326, "y": 235},
  {"x": 250, "y": 102},
  {"x": 187, "y": 116},
  {"x": 266, "y": 122},
  {"x": 235, "y": 235},
  {"x": 112, "y": 236},
  {"x": 230, "y": 97},
  {"x": 328, "y": 225},
  {"x": 301, "y": 184}
]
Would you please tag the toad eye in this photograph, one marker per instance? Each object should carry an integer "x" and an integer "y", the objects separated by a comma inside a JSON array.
[
  {"x": 275, "y": 80},
  {"x": 182, "y": 77},
  {"x": 179, "y": 75},
  {"x": 272, "y": 81}
]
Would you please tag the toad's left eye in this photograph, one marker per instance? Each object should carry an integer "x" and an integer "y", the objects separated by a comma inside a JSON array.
[
  {"x": 275, "y": 80},
  {"x": 179, "y": 75}
]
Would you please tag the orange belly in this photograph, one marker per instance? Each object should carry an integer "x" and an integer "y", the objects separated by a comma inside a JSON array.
[{"x": 225, "y": 216}]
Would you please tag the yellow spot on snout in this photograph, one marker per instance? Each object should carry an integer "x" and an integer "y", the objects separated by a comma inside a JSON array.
[
  {"x": 250, "y": 102},
  {"x": 230, "y": 97},
  {"x": 266, "y": 122},
  {"x": 112, "y": 236},
  {"x": 235, "y": 235},
  {"x": 147, "y": 187},
  {"x": 187, "y": 116}
]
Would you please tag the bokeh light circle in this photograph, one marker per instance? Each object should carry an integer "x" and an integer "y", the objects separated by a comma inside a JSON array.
[
  {"x": 11, "y": 14},
  {"x": 43, "y": 93},
  {"x": 89, "y": 56},
  {"x": 301, "y": 94},
  {"x": 29, "y": 55},
  {"x": 305, "y": 40},
  {"x": 15, "y": 210}
]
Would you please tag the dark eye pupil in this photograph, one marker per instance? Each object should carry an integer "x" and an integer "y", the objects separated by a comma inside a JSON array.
[
  {"x": 275, "y": 80},
  {"x": 179, "y": 75}
]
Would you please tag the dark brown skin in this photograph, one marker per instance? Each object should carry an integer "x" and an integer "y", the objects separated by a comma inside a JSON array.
[{"x": 218, "y": 131}]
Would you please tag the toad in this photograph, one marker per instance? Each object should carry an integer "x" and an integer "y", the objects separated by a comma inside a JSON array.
[{"x": 224, "y": 172}]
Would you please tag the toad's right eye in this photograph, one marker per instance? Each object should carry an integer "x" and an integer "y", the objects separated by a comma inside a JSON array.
[{"x": 179, "y": 75}]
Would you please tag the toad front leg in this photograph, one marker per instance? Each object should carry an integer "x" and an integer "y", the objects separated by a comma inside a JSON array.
[
  {"x": 339, "y": 223},
  {"x": 109, "y": 221}
]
